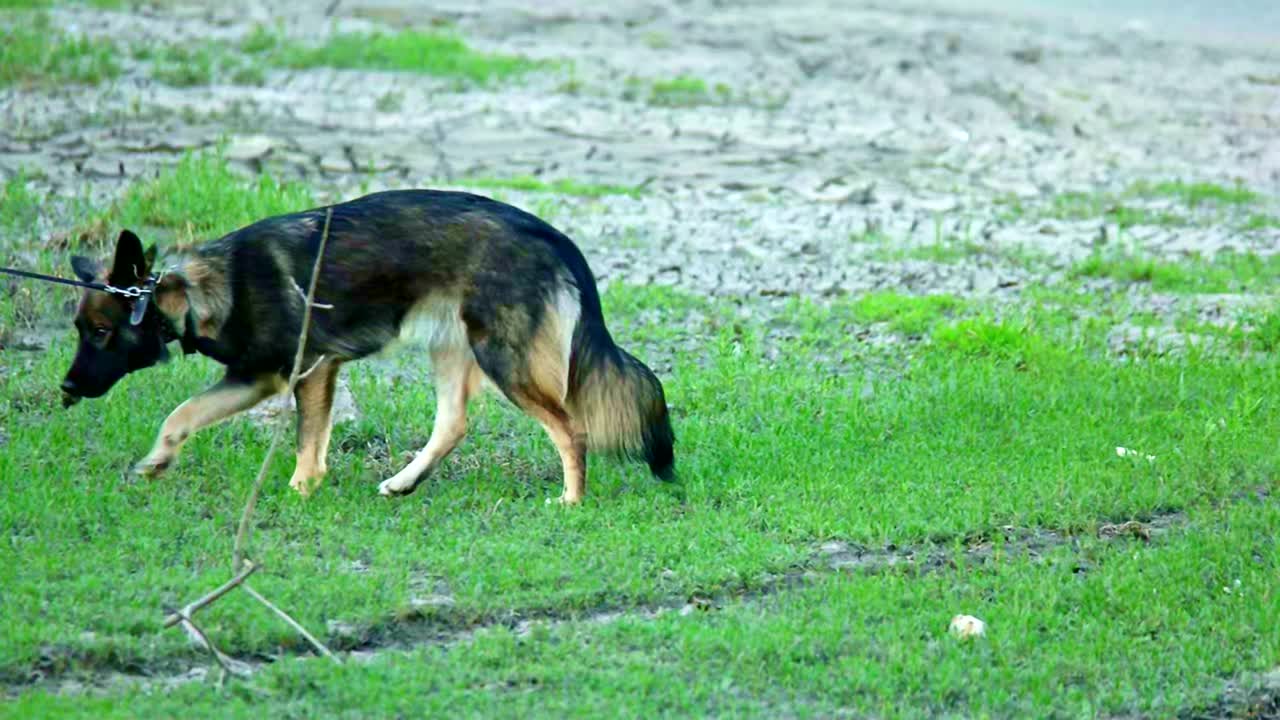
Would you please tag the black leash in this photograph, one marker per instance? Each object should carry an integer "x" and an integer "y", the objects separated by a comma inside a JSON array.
[{"x": 133, "y": 292}]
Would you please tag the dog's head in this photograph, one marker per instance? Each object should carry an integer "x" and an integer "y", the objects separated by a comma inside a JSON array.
[{"x": 111, "y": 346}]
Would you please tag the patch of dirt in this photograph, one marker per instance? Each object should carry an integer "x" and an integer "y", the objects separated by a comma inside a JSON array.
[
  {"x": 906, "y": 123},
  {"x": 1255, "y": 698}
]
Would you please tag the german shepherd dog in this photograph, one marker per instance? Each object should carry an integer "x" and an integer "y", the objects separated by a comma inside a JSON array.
[{"x": 496, "y": 293}]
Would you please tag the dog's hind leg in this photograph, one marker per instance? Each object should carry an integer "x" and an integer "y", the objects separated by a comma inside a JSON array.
[
  {"x": 534, "y": 374},
  {"x": 570, "y": 442},
  {"x": 314, "y": 396},
  {"x": 219, "y": 402},
  {"x": 457, "y": 378}
]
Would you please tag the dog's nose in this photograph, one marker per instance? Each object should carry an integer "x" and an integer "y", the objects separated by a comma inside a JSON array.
[{"x": 69, "y": 386}]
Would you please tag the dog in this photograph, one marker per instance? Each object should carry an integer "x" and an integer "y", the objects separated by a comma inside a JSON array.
[{"x": 497, "y": 294}]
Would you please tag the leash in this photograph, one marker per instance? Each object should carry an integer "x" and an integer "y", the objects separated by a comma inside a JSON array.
[{"x": 133, "y": 292}]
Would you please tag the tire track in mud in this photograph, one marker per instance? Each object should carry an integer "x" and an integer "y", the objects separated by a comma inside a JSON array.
[{"x": 434, "y": 623}]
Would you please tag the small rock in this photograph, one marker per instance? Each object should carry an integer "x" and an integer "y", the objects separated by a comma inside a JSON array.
[
  {"x": 31, "y": 343},
  {"x": 249, "y": 147},
  {"x": 1132, "y": 528},
  {"x": 967, "y": 626},
  {"x": 984, "y": 281},
  {"x": 344, "y": 406},
  {"x": 434, "y": 600},
  {"x": 1028, "y": 55},
  {"x": 341, "y": 630},
  {"x": 833, "y": 547},
  {"x": 335, "y": 164}
]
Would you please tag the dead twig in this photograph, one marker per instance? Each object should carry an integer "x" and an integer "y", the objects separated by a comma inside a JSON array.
[
  {"x": 242, "y": 534},
  {"x": 319, "y": 646},
  {"x": 313, "y": 367},
  {"x": 303, "y": 294},
  {"x": 191, "y": 609},
  {"x": 239, "y": 565},
  {"x": 228, "y": 664}
]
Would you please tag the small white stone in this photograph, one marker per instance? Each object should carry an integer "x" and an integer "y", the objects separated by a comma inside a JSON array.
[{"x": 966, "y": 626}]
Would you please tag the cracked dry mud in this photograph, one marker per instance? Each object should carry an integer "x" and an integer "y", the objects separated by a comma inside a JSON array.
[{"x": 840, "y": 124}]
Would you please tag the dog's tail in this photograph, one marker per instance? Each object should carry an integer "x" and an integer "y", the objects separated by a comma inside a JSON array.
[{"x": 617, "y": 398}]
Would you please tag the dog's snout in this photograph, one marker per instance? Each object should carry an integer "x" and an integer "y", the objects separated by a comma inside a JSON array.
[{"x": 69, "y": 386}]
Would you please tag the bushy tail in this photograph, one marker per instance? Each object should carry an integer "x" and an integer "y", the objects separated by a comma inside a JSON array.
[{"x": 619, "y": 400}]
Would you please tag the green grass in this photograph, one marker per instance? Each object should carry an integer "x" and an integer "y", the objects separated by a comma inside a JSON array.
[
  {"x": 440, "y": 54},
  {"x": 44, "y": 4},
  {"x": 936, "y": 446},
  {"x": 19, "y": 205},
  {"x": 202, "y": 198},
  {"x": 1197, "y": 203},
  {"x": 34, "y": 53},
  {"x": 1226, "y": 272},
  {"x": 1261, "y": 221},
  {"x": 907, "y": 314},
  {"x": 1194, "y": 194},
  {"x": 1104, "y": 629},
  {"x": 563, "y": 186},
  {"x": 679, "y": 91}
]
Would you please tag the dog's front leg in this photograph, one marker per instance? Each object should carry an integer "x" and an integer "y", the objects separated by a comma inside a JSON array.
[
  {"x": 314, "y": 395},
  {"x": 219, "y": 402}
]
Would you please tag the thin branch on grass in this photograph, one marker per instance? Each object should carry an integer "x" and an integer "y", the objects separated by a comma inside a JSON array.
[
  {"x": 228, "y": 664},
  {"x": 191, "y": 609},
  {"x": 319, "y": 646},
  {"x": 239, "y": 565},
  {"x": 242, "y": 534}
]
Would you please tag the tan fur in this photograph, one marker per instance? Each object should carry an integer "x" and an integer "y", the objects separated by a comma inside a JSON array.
[
  {"x": 199, "y": 287},
  {"x": 572, "y": 447},
  {"x": 606, "y": 407},
  {"x": 458, "y": 379},
  {"x": 314, "y": 396},
  {"x": 209, "y": 407}
]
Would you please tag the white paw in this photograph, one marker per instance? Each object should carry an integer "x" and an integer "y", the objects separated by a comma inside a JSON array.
[
  {"x": 304, "y": 485},
  {"x": 397, "y": 485},
  {"x": 564, "y": 500},
  {"x": 152, "y": 466}
]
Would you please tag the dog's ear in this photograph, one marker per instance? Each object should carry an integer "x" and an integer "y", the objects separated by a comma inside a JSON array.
[
  {"x": 84, "y": 268},
  {"x": 130, "y": 263}
]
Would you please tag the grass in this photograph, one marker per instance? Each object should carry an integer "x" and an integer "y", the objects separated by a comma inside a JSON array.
[
  {"x": 679, "y": 91},
  {"x": 34, "y": 53},
  {"x": 1195, "y": 202},
  {"x": 202, "y": 198},
  {"x": 993, "y": 422},
  {"x": 1195, "y": 194},
  {"x": 1069, "y": 637},
  {"x": 44, "y": 4},
  {"x": 440, "y": 54},
  {"x": 1226, "y": 272},
  {"x": 563, "y": 186},
  {"x": 19, "y": 205},
  {"x": 206, "y": 64},
  {"x": 907, "y": 314}
]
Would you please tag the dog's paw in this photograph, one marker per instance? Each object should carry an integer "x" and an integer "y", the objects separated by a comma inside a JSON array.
[
  {"x": 565, "y": 501},
  {"x": 304, "y": 485},
  {"x": 397, "y": 485},
  {"x": 152, "y": 467}
]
